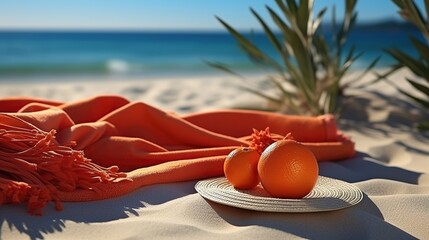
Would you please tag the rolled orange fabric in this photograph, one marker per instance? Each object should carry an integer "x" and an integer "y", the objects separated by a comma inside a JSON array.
[
  {"x": 74, "y": 151},
  {"x": 14, "y": 104}
]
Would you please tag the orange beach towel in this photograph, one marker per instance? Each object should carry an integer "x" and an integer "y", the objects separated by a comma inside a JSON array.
[{"x": 106, "y": 146}]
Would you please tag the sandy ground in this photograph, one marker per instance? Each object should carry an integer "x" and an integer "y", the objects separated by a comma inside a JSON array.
[
  {"x": 179, "y": 94},
  {"x": 391, "y": 168}
]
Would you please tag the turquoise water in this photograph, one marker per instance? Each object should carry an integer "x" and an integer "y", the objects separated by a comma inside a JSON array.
[{"x": 38, "y": 54}]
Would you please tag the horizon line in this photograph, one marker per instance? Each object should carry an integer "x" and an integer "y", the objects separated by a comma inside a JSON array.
[{"x": 178, "y": 29}]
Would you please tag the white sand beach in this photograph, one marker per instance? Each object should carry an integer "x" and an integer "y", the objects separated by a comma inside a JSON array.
[
  {"x": 391, "y": 169},
  {"x": 181, "y": 94}
]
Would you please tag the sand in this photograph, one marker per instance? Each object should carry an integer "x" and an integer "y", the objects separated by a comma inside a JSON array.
[
  {"x": 391, "y": 168},
  {"x": 180, "y": 94}
]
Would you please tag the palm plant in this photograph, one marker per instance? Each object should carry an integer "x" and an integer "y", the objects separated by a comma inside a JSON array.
[
  {"x": 309, "y": 73},
  {"x": 418, "y": 65}
]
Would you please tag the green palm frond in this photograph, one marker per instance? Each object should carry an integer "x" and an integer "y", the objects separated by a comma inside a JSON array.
[
  {"x": 223, "y": 67},
  {"x": 311, "y": 65}
]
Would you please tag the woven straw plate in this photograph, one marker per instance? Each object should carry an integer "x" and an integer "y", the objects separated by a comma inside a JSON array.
[{"x": 328, "y": 194}]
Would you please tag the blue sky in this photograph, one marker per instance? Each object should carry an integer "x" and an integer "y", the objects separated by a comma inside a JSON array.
[{"x": 157, "y": 14}]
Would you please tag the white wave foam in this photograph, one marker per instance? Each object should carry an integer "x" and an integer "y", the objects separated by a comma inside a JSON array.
[{"x": 117, "y": 66}]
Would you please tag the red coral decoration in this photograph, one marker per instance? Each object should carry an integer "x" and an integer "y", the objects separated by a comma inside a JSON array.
[{"x": 261, "y": 139}]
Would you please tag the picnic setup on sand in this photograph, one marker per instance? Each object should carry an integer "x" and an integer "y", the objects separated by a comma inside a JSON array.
[
  {"x": 299, "y": 145},
  {"x": 67, "y": 166}
]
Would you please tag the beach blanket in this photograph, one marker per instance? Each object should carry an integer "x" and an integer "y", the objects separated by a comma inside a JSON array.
[{"x": 107, "y": 146}]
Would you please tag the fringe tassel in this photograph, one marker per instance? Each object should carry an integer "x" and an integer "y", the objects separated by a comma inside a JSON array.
[{"x": 34, "y": 167}]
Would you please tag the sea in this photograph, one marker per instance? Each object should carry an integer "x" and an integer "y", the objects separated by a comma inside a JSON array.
[{"x": 50, "y": 54}]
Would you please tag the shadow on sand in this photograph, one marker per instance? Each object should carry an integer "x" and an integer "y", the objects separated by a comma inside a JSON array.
[
  {"x": 15, "y": 217},
  {"x": 362, "y": 221}
]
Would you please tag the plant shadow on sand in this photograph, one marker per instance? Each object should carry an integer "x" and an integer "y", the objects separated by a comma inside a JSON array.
[
  {"x": 388, "y": 126},
  {"x": 15, "y": 217},
  {"x": 373, "y": 112}
]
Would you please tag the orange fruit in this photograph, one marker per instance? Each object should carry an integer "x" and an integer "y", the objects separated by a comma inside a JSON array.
[
  {"x": 241, "y": 168},
  {"x": 288, "y": 169}
]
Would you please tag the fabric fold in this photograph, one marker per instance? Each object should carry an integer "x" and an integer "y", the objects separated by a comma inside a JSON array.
[{"x": 150, "y": 145}]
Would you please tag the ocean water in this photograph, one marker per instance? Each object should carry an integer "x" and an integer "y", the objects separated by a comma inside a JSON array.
[{"x": 25, "y": 54}]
